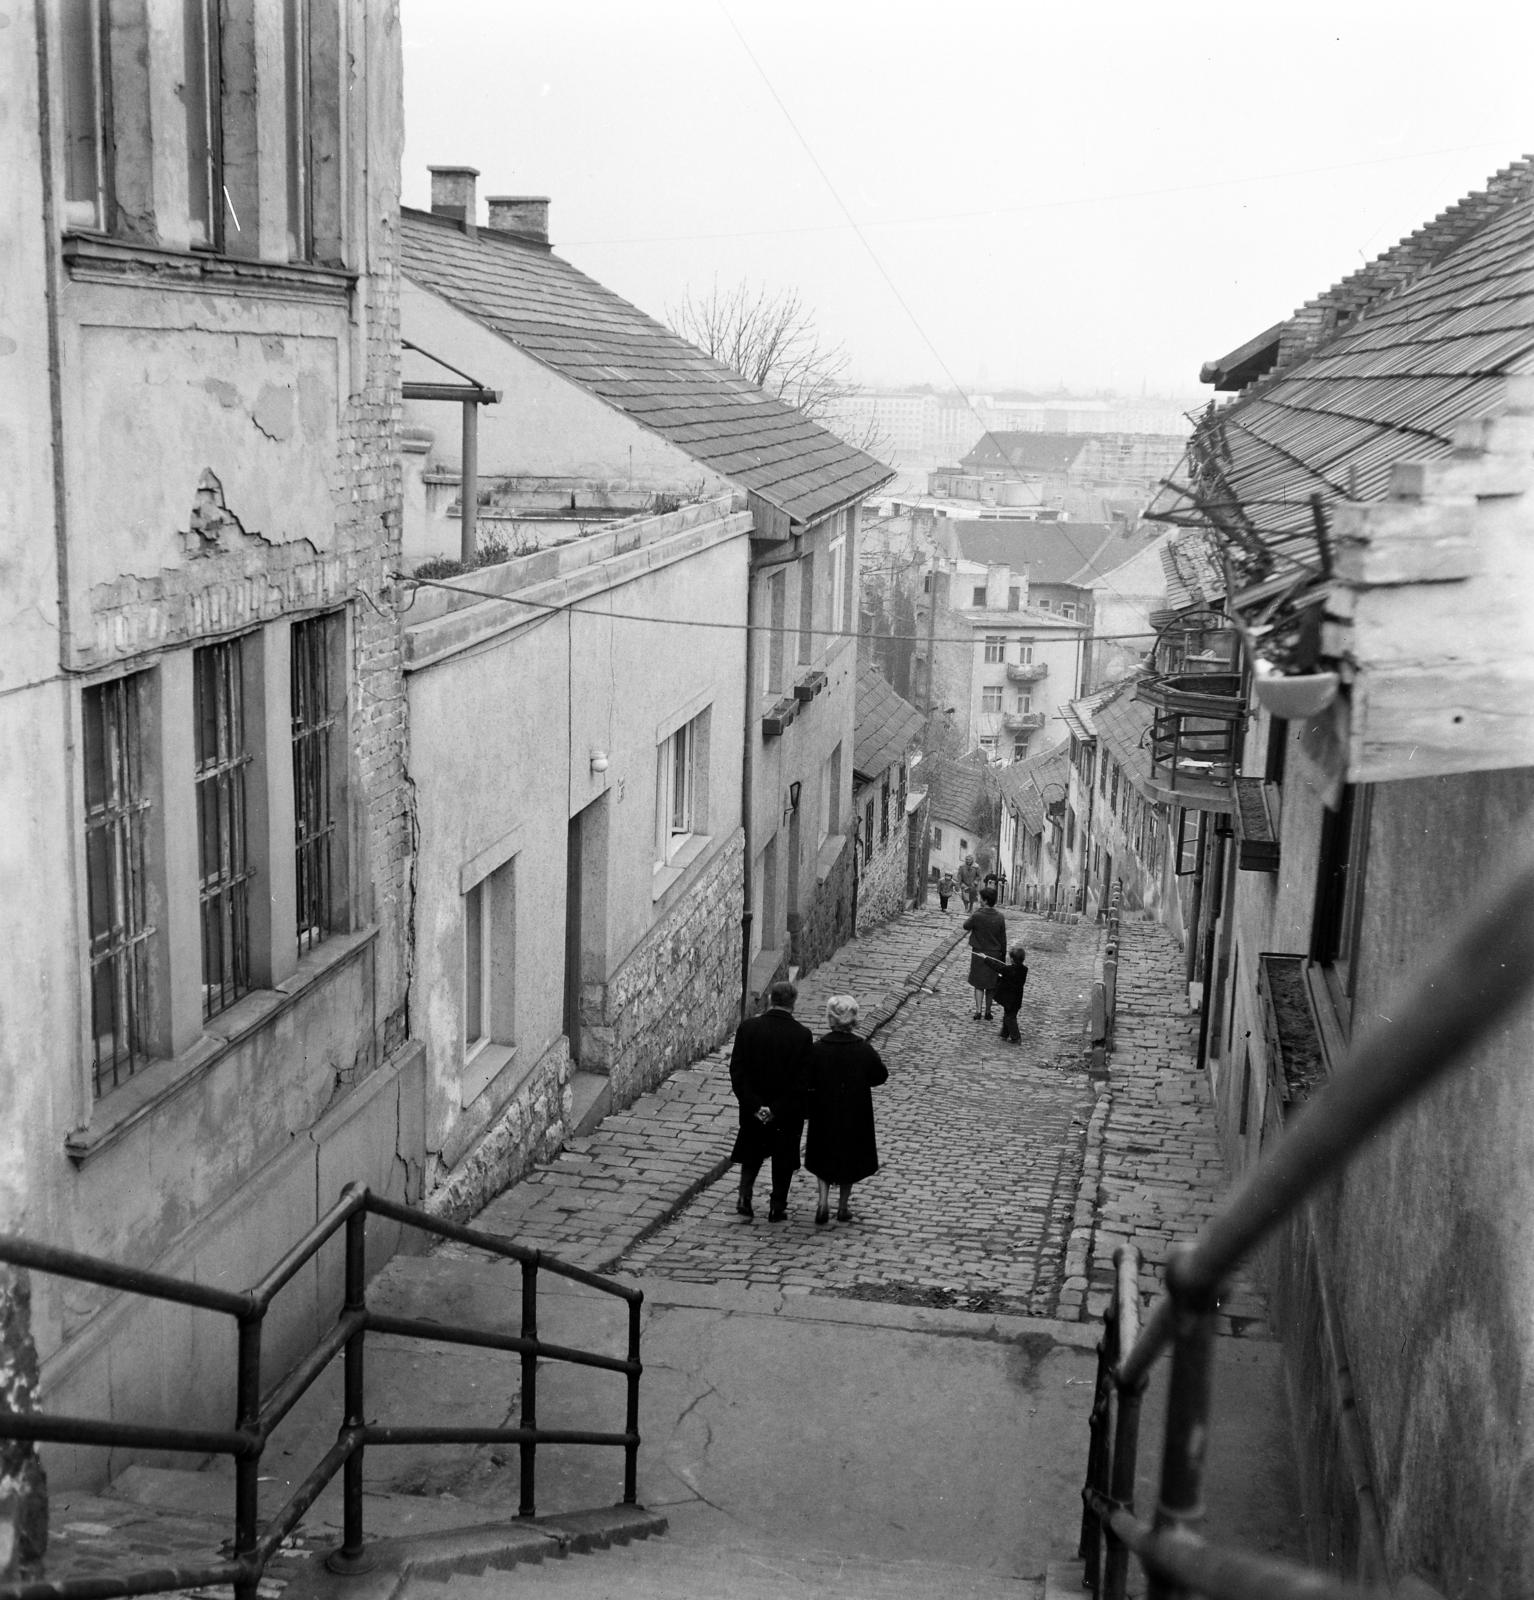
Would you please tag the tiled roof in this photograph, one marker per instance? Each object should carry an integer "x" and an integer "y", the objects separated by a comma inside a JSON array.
[
  {"x": 1027, "y": 784},
  {"x": 1026, "y": 452},
  {"x": 596, "y": 339},
  {"x": 1081, "y": 714},
  {"x": 1434, "y": 348},
  {"x": 956, "y": 788},
  {"x": 886, "y": 724},
  {"x": 1050, "y": 552},
  {"x": 1121, "y": 722}
]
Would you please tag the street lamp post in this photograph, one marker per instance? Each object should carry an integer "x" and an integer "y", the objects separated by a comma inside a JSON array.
[{"x": 1054, "y": 811}]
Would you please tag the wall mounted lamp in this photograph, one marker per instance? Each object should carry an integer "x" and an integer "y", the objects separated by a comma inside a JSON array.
[
  {"x": 599, "y": 761},
  {"x": 793, "y": 799}
]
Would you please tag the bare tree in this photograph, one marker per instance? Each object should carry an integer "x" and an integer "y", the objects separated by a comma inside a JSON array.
[{"x": 770, "y": 339}]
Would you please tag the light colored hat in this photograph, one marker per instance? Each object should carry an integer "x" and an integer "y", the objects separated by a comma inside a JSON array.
[{"x": 841, "y": 1011}]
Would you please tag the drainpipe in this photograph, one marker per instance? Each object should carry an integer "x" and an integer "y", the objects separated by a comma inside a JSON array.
[
  {"x": 747, "y": 781},
  {"x": 468, "y": 536},
  {"x": 1212, "y": 917}
]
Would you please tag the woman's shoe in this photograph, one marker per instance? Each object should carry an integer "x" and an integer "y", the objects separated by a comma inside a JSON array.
[
  {"x": 844, "y": 1215},
  {"x": 978, "y": 1017},
  {"x": 743, "y": 1206},
  {"x": 822, "y": 1216}
]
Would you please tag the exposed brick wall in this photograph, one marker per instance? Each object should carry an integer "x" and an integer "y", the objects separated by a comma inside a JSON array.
[
  {"x": 677, "y": 995},
  {"x": 369, "y": 526}
]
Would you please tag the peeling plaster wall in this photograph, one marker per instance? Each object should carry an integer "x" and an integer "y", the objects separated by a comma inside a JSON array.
[{"x": 228, "y": 457}]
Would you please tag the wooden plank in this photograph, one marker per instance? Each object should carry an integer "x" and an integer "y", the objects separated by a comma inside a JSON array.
[{"x": 1433, "y": 720}]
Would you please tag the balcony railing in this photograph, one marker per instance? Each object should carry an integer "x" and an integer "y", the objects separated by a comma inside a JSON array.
[
  {"x": 1195, "y": 735},
  {"x": 1023, "y": 721},
  {"x": 1027, "y": 671}
]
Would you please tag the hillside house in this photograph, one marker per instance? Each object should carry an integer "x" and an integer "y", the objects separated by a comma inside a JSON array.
[
  {"x": 1369, "y": 487},
  {"x": 658, "y": 663},
  {"x": 887, "y": 807},
  {"x": 209, "y": 820}
]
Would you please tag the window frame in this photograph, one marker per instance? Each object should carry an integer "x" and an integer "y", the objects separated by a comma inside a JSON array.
[
  {"x": 995, "y": 648},
  {"x": 121, "y": 940},
  {"x": 220, "y": 773},
  {"x": 318, "y": 719},
  {"x": 991, "y": 699},
  {"x": 681, "y": 818}
]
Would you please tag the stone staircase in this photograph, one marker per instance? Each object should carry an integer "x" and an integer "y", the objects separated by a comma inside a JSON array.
[{"x": 705, "y": 1557}]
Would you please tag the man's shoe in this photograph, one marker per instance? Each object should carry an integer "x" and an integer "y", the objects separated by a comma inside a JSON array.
[{"x": 777, "y": 1214}]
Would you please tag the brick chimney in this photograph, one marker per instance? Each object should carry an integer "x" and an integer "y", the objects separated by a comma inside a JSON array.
[
  {"x": 452, "y": 194},
  {"x": 526, "y": 215}
]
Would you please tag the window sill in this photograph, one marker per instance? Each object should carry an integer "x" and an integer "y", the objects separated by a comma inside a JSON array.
[
  {"x": 119, "y": 1112},
  {"x": 99, "y": 258},
  {"x": 830, "y": 851},
  {"x": 481, "y": 1066},
  {"x": 672, "y": 872}
]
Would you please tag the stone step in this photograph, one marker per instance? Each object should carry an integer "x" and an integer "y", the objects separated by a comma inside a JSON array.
[
  {"x": 591, "y": 1100},
  {"x": 710, "y": 1561}
]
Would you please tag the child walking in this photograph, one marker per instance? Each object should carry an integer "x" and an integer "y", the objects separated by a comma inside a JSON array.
[{"x": 1012, "y": 976}]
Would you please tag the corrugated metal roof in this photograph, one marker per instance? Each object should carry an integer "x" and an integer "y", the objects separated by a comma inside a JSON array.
[
  {"x": 597, "y": 340},
  {"x": 1389, "y": 387}
]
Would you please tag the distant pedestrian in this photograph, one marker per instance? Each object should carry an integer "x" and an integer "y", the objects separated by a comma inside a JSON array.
[
  {"x": 769, "y": 1072},
  {"x": 944, "y": 890},
  {"x": 987, "y": 930},
  {"x": 1011, "y": 977},
  {"x": 969, "y": 882},
  {"x": 840, "y": 1147}
]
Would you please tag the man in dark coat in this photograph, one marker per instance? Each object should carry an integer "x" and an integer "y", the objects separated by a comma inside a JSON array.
[{"x": 769, "y": 1072}]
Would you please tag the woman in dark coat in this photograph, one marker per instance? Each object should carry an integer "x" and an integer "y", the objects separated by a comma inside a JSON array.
[
  {"x": 987, "y": 930},
  {"x": 839, "y": 1147}
]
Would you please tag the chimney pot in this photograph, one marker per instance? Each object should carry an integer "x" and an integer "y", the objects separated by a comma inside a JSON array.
[
  {"x": 526, "y": 215},
  {"x": 452, "y": 194}
]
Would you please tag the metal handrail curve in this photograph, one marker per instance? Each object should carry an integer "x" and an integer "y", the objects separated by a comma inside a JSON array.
[
  {"x": 257, "y": 1417},
  {"x": 1483, "y": 970}
]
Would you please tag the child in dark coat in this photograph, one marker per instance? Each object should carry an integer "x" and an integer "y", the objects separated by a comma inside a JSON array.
[{"x": 1009, "y": 990}]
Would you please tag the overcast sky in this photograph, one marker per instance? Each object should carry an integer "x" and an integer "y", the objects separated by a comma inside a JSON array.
[{"x": 1094, "y": 195}]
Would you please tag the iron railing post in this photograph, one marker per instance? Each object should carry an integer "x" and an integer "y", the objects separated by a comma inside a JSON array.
[
  {"x": 1180, "y": 1507},
  {"x": 528, "y": 1451},
  {"x": 1126, "y": 1440},
  {"x": 352, "y": 1557},
  {"x": 247, "y": 1469},
  {"x": 631, "y": 1419}
]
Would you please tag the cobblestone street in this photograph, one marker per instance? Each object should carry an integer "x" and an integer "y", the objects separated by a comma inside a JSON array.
[
  {"x": 1008, "y": 1177},
  {"x": 979, "y": 1141}
]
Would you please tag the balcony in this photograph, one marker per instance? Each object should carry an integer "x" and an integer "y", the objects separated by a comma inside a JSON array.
[
  {"x": 1027, "y": 671},
  {"x": 1023, "y": 721}
]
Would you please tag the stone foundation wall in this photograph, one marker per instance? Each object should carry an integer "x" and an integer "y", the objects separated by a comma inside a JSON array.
[
  {"x": 530, "y": 1128},
  {"x": 827, "y": 925},
  {"x": 677, "y": 994},
  {"x": 881, "y": 883}
]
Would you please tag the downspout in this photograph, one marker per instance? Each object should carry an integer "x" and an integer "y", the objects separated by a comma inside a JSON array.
[
  {"x": 1212, "y": 917},
  {"x": 747, "y": 796}
]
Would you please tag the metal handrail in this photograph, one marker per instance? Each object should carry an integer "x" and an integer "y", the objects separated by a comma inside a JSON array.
[
  {"x": 257, "y": 1417},
  {"x": 1482, "y": 972}
]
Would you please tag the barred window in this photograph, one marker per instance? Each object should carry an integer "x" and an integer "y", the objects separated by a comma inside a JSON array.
[
  {"x": 116, "y": 827},
  {"x": 314, "y": 773},
  {"x": 222, "y": 760}
]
